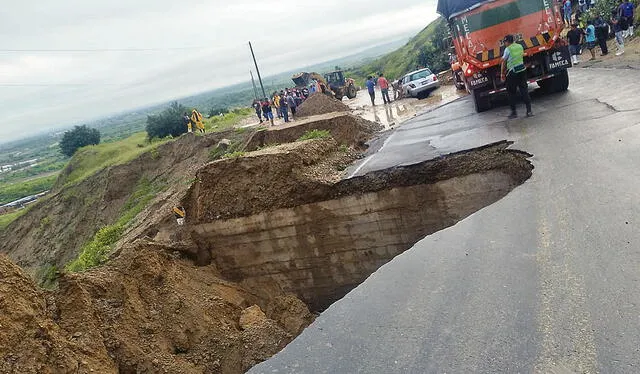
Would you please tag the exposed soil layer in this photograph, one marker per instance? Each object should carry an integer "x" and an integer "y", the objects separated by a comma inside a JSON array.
[
  {"x": 278, "y": 179},
  {"x": 345, "y": 128},
  {"x": 319, "y": 103},
  {"x": 53, "y": 231},
  {"x": 319, "y": 239}
]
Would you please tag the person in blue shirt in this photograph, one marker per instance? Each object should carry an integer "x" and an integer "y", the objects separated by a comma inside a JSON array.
[
  {"x": 371, "y": 85},
  {"x": 626, "y": 12},
  {"x": 567, "y": 12},
  {"x": 590, "y": 39}
]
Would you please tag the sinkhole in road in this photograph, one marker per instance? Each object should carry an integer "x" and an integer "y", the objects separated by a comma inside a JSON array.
[{"x": 319, "y": 241}]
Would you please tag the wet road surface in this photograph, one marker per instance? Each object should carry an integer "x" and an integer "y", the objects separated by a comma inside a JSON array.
[{"x": 546, "y": 280}]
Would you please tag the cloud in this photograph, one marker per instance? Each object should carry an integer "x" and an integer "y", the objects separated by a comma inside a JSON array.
[{"x": 78, "y": 60}]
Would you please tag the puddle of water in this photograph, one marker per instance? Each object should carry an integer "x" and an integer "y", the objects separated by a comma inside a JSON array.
[{"x": 394, "y": 114}]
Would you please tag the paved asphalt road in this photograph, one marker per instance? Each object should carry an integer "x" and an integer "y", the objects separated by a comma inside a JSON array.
[{"x": 547, "y": 280}]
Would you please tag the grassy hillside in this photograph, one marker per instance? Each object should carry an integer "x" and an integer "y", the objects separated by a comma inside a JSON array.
[{"x": 427, "y": 49}]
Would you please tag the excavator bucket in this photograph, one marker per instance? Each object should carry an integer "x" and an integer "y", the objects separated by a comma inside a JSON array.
[{"x": 302, "y": 79}]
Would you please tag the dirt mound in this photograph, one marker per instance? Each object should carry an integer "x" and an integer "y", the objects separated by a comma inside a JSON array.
[
  {"x": 265, "y": 180},
  {"x": 30, "y": 341},
  {"x": 320, "y": 103},
  {"x": 345, "y": 128},
  {"x": 148, "y": 311}
]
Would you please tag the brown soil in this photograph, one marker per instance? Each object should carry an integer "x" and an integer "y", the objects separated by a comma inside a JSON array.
[
  {"x": 53, "y": 231},
  {"x": 319, "y": 103},
  {"x": 148, "y": 311},
  {"x": 267, "y": 179},
  {"x": 346, "y": 128},
  {"x": 282, "y": 177}
]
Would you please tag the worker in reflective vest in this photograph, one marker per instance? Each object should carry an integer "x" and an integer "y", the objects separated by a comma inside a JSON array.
[
  {"x": 196, "y": 118},
  {"x": 180, "y": 213},
  {"x": 514, "y": 74}
]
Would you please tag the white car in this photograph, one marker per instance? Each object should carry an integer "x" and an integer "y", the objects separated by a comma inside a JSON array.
[{"x": 419, "y": 82}]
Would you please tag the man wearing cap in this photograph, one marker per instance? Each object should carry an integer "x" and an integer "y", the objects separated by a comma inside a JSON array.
[{"x": 514, "y": 74}]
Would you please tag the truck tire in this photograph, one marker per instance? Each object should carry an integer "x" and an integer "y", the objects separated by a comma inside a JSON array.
[
  {"x": 339, "y": 97},
  {"x": 352, "y": 92},
  {"x": 558, "y": 83},
  {"x": 561, "y": 82},
  {"x": 458, "y": 80},
  {"x": 482, "y": 103}
]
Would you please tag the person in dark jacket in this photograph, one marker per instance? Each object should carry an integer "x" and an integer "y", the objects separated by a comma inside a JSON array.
[{"x": 602, "y": 34}]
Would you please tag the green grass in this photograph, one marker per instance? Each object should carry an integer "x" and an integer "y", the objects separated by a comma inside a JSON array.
[
  {"x": 315, "y": 134},
  {"x": 232, "y": 155},
  {"x": 89, "y": 160},
  {"x": 227, "y": 121},
  {"x": 15, "y": 191},
  {"x": 6, "y": 219},
  {"x": 97, "y": 250}
]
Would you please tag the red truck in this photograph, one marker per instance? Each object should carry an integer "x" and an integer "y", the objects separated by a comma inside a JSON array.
[{"x": 478, "y": 28}]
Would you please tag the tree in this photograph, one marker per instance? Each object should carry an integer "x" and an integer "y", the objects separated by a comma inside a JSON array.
[
  {"x": 79, "y": 137},
  {"x": 169, "y": 122}
]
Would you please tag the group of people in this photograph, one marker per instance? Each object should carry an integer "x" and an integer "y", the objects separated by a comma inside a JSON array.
[
  {"x": 381, "y": 82},
  {"x": 282, "y": 102},
  {"x": 598, "y": 29}
]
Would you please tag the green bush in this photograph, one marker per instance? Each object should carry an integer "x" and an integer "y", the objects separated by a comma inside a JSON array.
[
  {"x": 315, "y": 134},
  {"x": 77, "y": 138},
  {"x": 168, "y": 122}
]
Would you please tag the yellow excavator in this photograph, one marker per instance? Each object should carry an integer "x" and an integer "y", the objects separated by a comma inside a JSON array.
[{"x": 332, "y": 84}]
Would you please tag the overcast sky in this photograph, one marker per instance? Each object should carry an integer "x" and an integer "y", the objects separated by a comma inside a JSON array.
[{"x": 67, "y": 61}]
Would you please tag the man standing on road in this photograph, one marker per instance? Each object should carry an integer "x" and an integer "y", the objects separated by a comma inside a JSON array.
[
  {"x": 267, "y": 111},
  {"x": 383, "y": 83},
  {"x": 284, "y": 108},
  {"x": 616, "y": 21},
  {"x": 590, "y": 38},
  {"x": 514, "y": 73},
  {"x": 626, "y": 10},
  {"x": 371, "y": 87},
  {"x": 602, "y": 33},
  {"x": 292, "y": 104},
  {"x": 258, "y": 108},
  {"x": 575, "y": 40}
]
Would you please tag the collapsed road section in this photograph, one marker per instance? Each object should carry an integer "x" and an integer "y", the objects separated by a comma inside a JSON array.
[
  {"x": 270, "y": 235},
  {"x": 318, "y": 239}
]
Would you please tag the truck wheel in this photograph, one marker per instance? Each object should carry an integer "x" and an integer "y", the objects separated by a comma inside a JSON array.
[
  {"x": 561, "y": 82},
  {"x": 558, "y": 83},
  {"x": 352, "y": 92},
  {"x": 339, "y": 97},
  {"x": 482, "y": 103},
  {"x": 458, "y": 80}
]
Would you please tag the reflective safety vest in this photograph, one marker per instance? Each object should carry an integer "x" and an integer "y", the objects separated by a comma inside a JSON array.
[{"x": 516, "y": 56}]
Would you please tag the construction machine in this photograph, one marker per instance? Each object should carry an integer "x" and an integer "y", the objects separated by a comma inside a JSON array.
[{"x": 332, "y": 84}]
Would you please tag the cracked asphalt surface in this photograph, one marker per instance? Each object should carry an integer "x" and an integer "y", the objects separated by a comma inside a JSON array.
[{"x": 547, "y": 280}]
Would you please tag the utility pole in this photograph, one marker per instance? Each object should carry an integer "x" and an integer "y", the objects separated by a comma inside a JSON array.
[
  {"x": 253, "y": 82},
  {"x": 264, "y": 94}
]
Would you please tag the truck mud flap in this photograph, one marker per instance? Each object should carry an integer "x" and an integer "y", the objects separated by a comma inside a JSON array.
[
  {"x": 478, "y": 80},
  {"x": 558, "y": 59}
]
